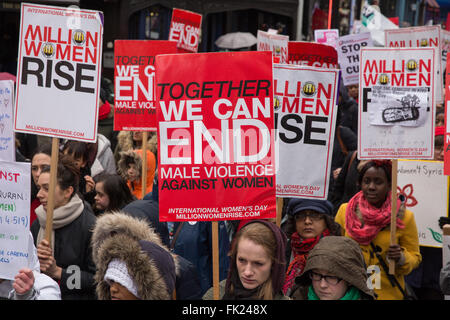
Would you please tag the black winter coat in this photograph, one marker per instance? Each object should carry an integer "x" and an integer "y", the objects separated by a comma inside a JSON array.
[{"x": 72, "y": 248}]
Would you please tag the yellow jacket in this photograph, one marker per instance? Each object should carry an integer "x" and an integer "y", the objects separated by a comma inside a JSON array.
[{"x": 407, "y": 238}]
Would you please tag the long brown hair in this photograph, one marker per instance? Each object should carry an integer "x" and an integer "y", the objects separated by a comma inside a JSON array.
[{"x": 263, "y": 236}]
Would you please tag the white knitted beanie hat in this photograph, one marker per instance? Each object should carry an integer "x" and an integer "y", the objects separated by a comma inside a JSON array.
[{"x": 118, "y": 272}]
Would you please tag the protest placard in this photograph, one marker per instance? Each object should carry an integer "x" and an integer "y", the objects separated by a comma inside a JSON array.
[
  {"x": 327, "y": 36},
  {"x": 312, "y": 54},
  {"x": 14, "y": 217},
  {"x": 425, "y": 188},
  {"x": 396, "y": 103},
  {"x": 58, "y": 72},
  {"x": 134, "y": 83},
  {"x": 446, "y": 249},
  {"x": 185, "y": 28},
  {"x": 305, "y": 113},
  {"x": 447, "y": 122},
  {"x": 415, "y": 37},
  {"x": 215, "y": 141},
  {"x": 7, "y": 141},
  {"x": 445, "y": 48},
  {"x": 276, "y": 43},
  {"x": 348, "y": 55}
]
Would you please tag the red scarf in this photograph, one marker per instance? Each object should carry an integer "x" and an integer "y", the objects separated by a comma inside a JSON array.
[
  {"x": 300, "y": 248},
  {"x": 374, "y": 218}
]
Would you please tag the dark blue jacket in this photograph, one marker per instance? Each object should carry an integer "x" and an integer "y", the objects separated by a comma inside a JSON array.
[
  {"x": 194, "y": 243},
  {"x": 149, "y": 210},
  {"x": 188, "y": 283}
]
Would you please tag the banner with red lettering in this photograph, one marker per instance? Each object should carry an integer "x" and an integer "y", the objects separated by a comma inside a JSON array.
[
  {"x": 58, "y": 72},
  {"x": 276, "y": 43},
  {"x": 134, "y": 83},
  {"x": 312, "y": 54},
  {"x": 447, "y": 122},
  {"x": 215, "y": 136},
  {"x": 396, "y": 103},
  {"x": 14, "y": 218},
  {"x": 185, "y": 29},
  {"x": 305, "y": 113},
  {"x": 327, "y": 36},
  {"x": 418, "y": 37}
]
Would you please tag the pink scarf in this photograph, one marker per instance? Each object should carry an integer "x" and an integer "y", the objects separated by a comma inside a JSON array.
[{"x": 374, "y": 218}]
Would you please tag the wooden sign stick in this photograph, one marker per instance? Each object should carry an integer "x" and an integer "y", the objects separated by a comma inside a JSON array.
[
  {"x": 51, "y": 190},
  {"x": 330, "y": 10},
  {"x": 144, "y": 163},
  {"x": 215, "y": 252},
  {"x": 279, "y": 210},
  {"x": 393, "y": 212}
]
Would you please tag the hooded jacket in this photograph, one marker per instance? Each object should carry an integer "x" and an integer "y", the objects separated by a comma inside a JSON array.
[
  {"x": 117, "y": 235},
  {"x": 339, "y": 256},
  {"x": 125, "y": 143},
  {"x": 135, "y": 157}
]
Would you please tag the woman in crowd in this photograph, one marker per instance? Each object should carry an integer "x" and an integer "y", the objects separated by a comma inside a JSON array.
[
  {"x": 78, "y": 153},
  {"x": 132, "y": 263},
  {"x": 366, "y": 219},
  {"x": 257, "y": 265},
  {"x": 130, "y": 167},
  {"x": 335, "y": 270},
  {"x": 40, "y": 160},
  {"x": 308, "y": 222},
  {"x": 73, "y": 221},
  {"x": 112, "y": 194}
]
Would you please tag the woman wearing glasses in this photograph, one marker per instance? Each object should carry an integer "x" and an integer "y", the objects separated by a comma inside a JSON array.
[
  {"x": 335, "y": 270},
  {"x": 308, "y": 222}
]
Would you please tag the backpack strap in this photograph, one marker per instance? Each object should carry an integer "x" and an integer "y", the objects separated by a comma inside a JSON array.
[{"x": 177, "y": 233}]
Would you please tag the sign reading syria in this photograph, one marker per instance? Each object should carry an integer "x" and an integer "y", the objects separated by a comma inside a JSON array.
[
  {"x": 14, "y": 218},
  {"x": 134, "y": 83},
  {"x": 425, "y": 36},
  {"x": 276, "y": 43},
  {"x": 58, "y": 72},
  {"x": 215, "y": 142},
  {"x": 348, "y": 53},
  {"x": 305, "y": 113},
  {"x": 185, "y": 29},
  {"x": 312, "y": 54},
  {"x": 425, "y": 188},
  {"x": 396, "y": 103}
]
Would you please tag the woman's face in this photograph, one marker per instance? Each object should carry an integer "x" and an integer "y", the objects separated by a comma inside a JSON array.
[
  {"x": 375, "y": 186},
  {"x": 440, "y": 119},
  {"x": 326, "y": 288},
  {"x": 253, "y": 264},
  {"x": 309, "y": 224},
  {"x": 61, "y": 196},
  {"x": 119, "y": 292},
  {"x": 101, "y": 198},
  {"x": 39, "y": 161},
  {"x": 137, "y": 135}
]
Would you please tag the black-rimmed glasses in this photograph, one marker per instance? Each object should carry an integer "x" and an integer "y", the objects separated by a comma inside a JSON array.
[{"x": 329, "y": 279}]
